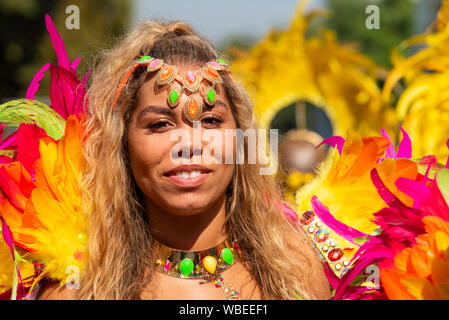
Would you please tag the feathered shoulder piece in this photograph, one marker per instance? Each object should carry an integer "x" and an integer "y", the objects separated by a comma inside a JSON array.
[
  {"x": 43, "y": 227},
  {"x": 380, "y": 220}
]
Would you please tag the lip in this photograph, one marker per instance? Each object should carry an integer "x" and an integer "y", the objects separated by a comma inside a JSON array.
[{"x": 187, "y": 182}]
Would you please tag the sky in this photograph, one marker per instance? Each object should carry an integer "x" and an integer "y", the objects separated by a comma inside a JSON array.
[{"x": 217, "y": 20}]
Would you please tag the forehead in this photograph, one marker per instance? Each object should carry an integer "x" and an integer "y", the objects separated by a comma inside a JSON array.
[{"x": 150, "y": 93}]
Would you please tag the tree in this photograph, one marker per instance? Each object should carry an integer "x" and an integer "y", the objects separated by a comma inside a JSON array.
[
  {"x": 396, "y": 23},
  {"x": 27, "y": 47}
]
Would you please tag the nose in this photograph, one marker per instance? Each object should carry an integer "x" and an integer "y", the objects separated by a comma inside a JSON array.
[{"x": 190, "y": 147}]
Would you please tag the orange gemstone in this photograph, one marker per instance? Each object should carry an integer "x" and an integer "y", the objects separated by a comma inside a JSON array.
[
  {"x": 166, "y": 73},
  {"x": 213, "y": 73},
  {"x": 192, "y": 108}
]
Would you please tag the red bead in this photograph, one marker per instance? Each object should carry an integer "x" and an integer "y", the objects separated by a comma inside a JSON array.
[
  {"x": 307, "y": 217},
  {"x": 335, "y": 254},
  {"x": 167, "y": 265},
  {"x": 78, "y": 255}
]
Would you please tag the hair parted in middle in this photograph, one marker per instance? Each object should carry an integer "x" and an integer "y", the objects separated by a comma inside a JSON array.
[{"x": 275, "y": 251}]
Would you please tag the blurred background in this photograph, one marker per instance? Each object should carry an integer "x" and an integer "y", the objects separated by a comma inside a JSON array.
[
  {"x": 312, "y": 68},
  {"x": 25, "y": 44}
]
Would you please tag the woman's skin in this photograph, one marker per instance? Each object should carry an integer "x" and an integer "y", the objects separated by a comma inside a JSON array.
[{"x": 186, "y": 214}]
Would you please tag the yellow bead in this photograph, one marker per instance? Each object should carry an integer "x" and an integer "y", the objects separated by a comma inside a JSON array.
[
  {"x": 210, "y": 264},
  {"x": 82, "y": 238}
]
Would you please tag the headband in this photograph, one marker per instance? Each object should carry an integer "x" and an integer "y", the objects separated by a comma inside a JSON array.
[{"x": 200, "y": 84}]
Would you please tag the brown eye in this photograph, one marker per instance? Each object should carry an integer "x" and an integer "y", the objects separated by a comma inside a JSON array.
[
  {"x": 158, "y": 125},
  {"x": 211, "y": 120}
]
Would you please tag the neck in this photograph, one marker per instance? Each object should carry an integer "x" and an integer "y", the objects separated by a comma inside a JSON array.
[{"x": 188, "y": 232}]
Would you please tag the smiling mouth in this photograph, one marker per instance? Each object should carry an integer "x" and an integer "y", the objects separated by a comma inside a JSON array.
[{"x": 188, "y": 176}]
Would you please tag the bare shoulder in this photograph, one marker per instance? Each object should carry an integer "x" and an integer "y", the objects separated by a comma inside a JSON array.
[
  {"x": 50, "y": 290},
  {"x": 303, "y": 249}
]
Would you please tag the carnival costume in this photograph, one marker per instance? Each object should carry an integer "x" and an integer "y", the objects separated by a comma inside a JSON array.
[{"x": 370, "y": 206}]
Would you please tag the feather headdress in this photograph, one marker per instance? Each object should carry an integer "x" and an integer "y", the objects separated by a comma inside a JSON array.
[{"x": 44, "y": 228}]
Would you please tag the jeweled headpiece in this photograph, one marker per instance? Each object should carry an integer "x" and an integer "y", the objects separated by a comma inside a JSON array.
[{"x": 200, "y": 85}]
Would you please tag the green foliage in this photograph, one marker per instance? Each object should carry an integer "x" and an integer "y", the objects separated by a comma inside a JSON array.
[
  {"x": 21, "y": 24},
  {"x": 396, "y": 22},
  {"x": 26, "y": 46}
]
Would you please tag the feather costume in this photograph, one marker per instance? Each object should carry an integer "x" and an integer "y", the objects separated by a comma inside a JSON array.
[
  {"x": 371, "y": 206},
  {"x": 40, "y": 168}
]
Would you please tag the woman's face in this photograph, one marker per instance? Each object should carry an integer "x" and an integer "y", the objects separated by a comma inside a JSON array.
[{"x": 158, "y": 163}]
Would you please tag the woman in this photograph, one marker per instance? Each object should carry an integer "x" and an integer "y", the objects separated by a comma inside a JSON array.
[{"x": 145, "y": 205}]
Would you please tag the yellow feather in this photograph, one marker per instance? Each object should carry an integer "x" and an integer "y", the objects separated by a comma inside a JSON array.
[{"x": 61, "y": 243}]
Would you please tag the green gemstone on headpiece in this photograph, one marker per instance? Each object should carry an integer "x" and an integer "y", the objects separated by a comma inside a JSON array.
[
  {"x": 186, "y": 267},
  {"x": 227, "y": 256},
  {"x": 144, "y": 58},
  {"x": 221, "y": 61},
  {"x": 211, "y": 96},
  {"x": 173, "y": 96}
]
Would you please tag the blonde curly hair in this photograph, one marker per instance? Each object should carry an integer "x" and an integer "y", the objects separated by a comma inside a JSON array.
[{"x": 120, "y": 263}]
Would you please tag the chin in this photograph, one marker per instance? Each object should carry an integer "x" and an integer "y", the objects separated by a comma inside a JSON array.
[
  {"x": 188, "y": 204},
  {"x": 187, "y": 209}
]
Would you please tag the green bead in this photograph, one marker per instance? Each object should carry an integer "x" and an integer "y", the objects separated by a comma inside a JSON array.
[
  {"x": 211, "y": 96},
  {"x": 227, "y": 256},
  {"x": 145, "y": 58},
  {"x": 221, "y": 61},
  {"x": 173, "y": 96},
  {"x": 186, "y": 267}
]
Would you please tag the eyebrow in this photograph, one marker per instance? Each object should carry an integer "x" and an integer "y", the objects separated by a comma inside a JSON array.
[
  {"x": 217, "y": 103},
  {"x": 155, "y": 109},
  {"x": 169, "y": 112}
]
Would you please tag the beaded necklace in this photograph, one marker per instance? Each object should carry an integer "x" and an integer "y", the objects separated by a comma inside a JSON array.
[{"x": 204, "y": 265}]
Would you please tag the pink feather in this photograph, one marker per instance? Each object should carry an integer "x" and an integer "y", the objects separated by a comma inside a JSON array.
[
  {"x": 75, "y": 63},
  {"x": 375, "y": 255},
  {"x": 338, "y": 227},
  {"x": 405, "y": 147},
  {"x": 10, "y": 142},
  {"x": 34, "y": 85},
  {"x": 5, "y": 159},
  {"x": 447, "y": 162},
  {"x": 334, "y": 141},
  {"x": 414, "y": 189},
  {"x": 58, "y": 43},
  {"x": 7, "y": 236},
  {"x": 289, "y": 212},
  {"x": 390, "y": 152}
]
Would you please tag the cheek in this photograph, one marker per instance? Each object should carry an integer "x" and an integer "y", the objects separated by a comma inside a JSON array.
[{"x": 145, "y": 153}]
